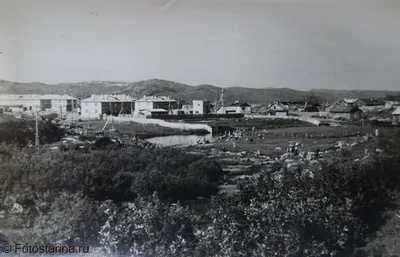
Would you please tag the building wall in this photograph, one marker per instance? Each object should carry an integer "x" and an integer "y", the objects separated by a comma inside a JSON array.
[
  {"x": 236, "y": 109},
  {"x": 30, "y": 104},
  {"x": 153, "y": 104},
  {"x": 281, "y": 114},
  {"x": 201, "y": 107},
  {"x": 91, "y": 110},
  {"x": 63, "y": 105},
  {"x": 140, "y": 105},
  {"x": 245, "y": 109},
  {"x": 396, "y": 119},
  {"x": 349, "y": 116}
]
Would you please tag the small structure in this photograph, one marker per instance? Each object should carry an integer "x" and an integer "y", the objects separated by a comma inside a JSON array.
[
  {"x": 236, "y": 107},
  {"x": 278, "y": 109},
  {"x": 97, "y": 105},
  {"x": 311, "y": 109},
  {"x": 347, "y": 112},
  {"x": 186, "y": 109},
  {"x": 294, "y": 105},
  {"x": 396, "y": 116}
]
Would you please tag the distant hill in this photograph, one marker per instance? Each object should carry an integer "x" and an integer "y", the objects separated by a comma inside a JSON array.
[
  {"x": 80, "y": 90},
  {"x": 186, "y": 92}
]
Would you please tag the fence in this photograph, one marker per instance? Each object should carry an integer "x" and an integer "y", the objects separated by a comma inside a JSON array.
[
  {"x": 197, "y": 116},
  {"x": 306, "y": 119}
]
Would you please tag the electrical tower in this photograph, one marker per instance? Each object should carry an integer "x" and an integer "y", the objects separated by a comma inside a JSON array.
[{"x": 220, "y": 103}]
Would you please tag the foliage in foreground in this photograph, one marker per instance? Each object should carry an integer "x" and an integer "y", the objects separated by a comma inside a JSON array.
[
  {"x": 22, "y": 132},
  {"x": 118, "y": 175},
  {"x": 333, "y": 214},
  {"x": 298, "y": 216}
]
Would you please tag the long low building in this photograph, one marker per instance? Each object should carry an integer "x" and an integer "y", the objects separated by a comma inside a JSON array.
[
  {"x": 149, "y": 105},
  {"x": 35, "y": 102},
  {"x": 96, "y": 105}
]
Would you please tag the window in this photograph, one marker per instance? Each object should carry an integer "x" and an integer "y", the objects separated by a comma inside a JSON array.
[
  {"x": 243, "y": 108},
  {"x": 86, "y": 111},
  {"x": 197, "y": 112},
  {"x": 95, "y": 104},
  {"x": 198, "y": 104},
  {"x": 95, "y": 111}
]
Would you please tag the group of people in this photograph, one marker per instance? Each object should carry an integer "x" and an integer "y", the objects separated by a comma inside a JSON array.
[
  {"x": 294, "y": 150},
  {"x": 201, "y": 142}
]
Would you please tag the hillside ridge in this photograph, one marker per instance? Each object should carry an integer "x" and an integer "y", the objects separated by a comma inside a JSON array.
[{"x": 187, "y": 92}]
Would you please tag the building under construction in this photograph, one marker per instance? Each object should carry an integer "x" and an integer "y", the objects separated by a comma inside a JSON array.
[{"x": 96, "y": 105}]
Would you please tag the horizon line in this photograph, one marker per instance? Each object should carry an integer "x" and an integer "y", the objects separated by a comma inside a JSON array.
[{"x": 204, "y": 84}]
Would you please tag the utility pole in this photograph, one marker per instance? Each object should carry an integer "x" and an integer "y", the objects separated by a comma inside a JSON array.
[
  {"x": 37, "y": 130},
  {"x": 73, "y": 106}
]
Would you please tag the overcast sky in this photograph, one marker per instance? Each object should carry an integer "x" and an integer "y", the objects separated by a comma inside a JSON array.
[{"x": 301, "y": 44}]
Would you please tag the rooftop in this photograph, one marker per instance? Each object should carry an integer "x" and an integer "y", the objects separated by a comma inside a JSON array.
[
  {"x": 156, "y": 99},
  {"x": 344, "y": 109},
  {"x": 280, "y": 105},
  {"x": 397, "y": 111},
  {"x": 241, "y": 104},
  {"x": 350, "y": 101},
  {"x": 109, "y": 98},
  {"x": 36, "y": 97}
]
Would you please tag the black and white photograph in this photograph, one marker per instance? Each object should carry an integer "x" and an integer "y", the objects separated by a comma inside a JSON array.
[{"x": 200, "y": 128}]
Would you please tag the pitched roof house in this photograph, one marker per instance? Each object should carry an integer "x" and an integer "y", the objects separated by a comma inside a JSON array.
[{"x": 347, "y": 112}]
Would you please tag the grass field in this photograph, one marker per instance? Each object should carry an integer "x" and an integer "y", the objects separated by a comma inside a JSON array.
[
  {"x": 143, "y": 131},
  {"x": 310, "y": 137},
  {"x": 219, "y": 126}
]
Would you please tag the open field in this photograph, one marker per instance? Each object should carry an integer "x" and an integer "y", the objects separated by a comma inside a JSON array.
[
  {"x": 142, "y": 131},
  {"x": 219, "y": 126},
  {"x": 310, "y": 137},
  {"x": 243, "y": 159}
]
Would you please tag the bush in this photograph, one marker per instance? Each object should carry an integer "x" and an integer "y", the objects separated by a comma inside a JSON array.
[
  {"x": 68, "y": 219},
  {"x": 148, "y": 228},
  {"x": 119, "y": 175},
  {"x": 22, "y": 132},
  {"x": 332, "y": 214}
]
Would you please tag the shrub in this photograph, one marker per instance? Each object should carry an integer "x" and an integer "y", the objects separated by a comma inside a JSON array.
[
  {"x": 22, "y": 132},
  {"x": 148, "y": 228},
  {"x": 68, "y": 219},
  {"x": 119, "y": 175}
]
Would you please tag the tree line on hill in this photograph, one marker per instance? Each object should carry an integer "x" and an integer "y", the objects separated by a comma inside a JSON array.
[{"x": 187, "y": 92}]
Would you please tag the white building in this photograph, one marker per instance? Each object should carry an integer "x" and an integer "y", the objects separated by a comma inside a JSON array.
[
  {"x": 32, "y": 102},
  {"x": 97, "y": 105},
  {"x": 187, "y": 109},
  {"x": 396, "y": 116},
  {"x": 277, "y": 109},
  {"x": 236, "y": 107},
  {"x": 154, "y": 105},
  {"x": 201, "y": 107},
  {"x": 390, "y": 104}
]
